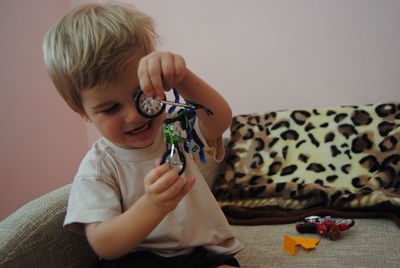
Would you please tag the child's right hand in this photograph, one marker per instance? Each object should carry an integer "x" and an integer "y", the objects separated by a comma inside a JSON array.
[
  {"x": 117, "y": 236},
  {"x": 164, "y": 188}
]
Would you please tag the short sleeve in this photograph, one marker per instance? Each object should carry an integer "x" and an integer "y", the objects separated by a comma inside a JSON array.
[
  {"x": 94, "y": 197},
  {"x": 214, "y": 148}
]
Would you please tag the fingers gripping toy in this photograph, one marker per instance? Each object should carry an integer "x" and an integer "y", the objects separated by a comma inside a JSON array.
[
  {"x": 325, "y": 226},
  {"x": 179, "y": 134}
]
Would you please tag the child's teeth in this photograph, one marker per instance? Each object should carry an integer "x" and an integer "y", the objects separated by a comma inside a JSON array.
[{"x": 145, "y": 126}]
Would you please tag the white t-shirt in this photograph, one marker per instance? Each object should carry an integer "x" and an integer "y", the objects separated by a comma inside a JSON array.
[{"x": 110, "y": 180}]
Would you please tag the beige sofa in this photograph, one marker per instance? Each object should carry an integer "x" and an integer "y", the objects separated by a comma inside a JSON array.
[{"x": 33, "y": 237}]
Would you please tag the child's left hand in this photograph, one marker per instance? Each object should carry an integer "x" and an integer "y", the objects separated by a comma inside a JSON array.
[{"x": 159, "y": 72}]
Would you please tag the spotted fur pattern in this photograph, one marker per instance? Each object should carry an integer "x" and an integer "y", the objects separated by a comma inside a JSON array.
[{"x": 341, "y": 157}]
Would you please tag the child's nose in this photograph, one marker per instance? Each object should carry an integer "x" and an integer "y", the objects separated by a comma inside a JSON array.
[{"x": 131, "y": 113}]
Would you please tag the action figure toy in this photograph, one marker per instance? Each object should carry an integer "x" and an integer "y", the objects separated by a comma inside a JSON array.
[
  {"x": 179, "y": 131},
  {"x": 325, "y": 226}
]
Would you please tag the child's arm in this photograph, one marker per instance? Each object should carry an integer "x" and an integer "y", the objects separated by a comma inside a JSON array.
[
  {"x": 161, "y": 71},
  {"x": 115, "y": 237}
]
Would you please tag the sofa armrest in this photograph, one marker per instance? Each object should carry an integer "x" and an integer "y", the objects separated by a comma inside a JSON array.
[{"x": 33, "y": 236}]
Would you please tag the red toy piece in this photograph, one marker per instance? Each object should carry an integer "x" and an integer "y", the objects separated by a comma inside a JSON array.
[{"x": 325, "y": 226}]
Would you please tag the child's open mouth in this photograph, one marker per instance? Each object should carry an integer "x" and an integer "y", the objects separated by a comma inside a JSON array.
[{"x": 140, "y": 129}]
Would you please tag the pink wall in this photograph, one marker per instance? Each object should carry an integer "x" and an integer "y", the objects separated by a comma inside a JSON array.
[
  {"x": 262, "y": 55},
  {"x": 42, "y": 141},
  {"x": 271, "y": 54}
]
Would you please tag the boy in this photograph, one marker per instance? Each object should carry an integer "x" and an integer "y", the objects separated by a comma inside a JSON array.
[{"x": 133, "y": 210}]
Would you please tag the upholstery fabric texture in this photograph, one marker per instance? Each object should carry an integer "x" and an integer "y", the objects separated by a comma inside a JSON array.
[{"x": 33, "y": 236}]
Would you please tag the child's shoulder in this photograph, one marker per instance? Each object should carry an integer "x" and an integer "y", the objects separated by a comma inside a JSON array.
[
  {"x": 98, "y": 149},
  {"x": 95, "y": 159}
]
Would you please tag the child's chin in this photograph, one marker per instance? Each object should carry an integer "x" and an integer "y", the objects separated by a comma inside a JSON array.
[
  {"x": 136, "y": 144},
  {"x": 142, "y": 139}
]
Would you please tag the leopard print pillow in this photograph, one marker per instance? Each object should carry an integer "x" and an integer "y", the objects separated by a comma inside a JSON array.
[{"x": 341, "y": 157}]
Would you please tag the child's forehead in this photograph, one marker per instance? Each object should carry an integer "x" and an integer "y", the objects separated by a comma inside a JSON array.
[
  {"x": 126, "y": 78},
  {"x": 113, "y": 88}
]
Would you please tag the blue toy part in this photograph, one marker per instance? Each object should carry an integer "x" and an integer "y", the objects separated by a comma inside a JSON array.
[
  {"x": 178, "y": 131},
  {"x": 176, "y": 94}
]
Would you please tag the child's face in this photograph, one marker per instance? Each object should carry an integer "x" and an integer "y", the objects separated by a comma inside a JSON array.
[{"x": 112, "y": 110}]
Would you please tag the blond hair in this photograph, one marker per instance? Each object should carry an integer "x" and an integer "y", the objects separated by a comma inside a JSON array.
[{"x": 91, "y": 44}]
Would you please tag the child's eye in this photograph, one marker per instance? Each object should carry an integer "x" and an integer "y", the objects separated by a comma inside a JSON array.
[{"x": 113, "y": 109}]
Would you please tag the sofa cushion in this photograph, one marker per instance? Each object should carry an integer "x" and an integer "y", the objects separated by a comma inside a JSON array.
[{"x": 357, "y": 247}]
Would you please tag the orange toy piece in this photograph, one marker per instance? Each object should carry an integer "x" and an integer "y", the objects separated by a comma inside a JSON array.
[{"x": 290, "y": 243}]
